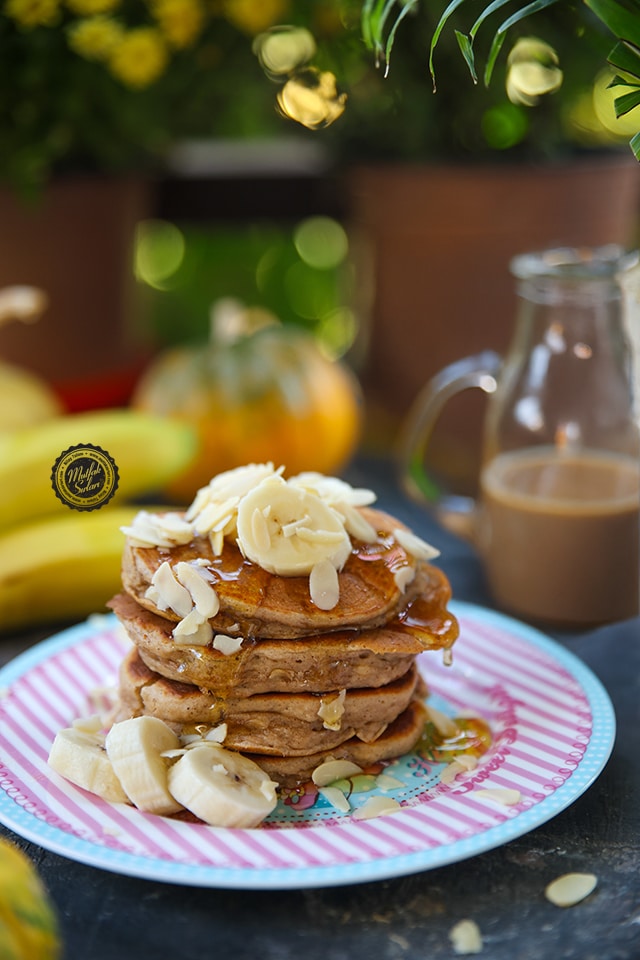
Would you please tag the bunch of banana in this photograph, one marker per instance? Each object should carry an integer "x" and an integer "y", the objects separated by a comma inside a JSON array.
[
  {"x": 57, "y": 563},
  {"x": 143, "y": 762}
]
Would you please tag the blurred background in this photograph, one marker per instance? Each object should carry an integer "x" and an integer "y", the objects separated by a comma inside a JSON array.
[{"x": 182, "y": 177}]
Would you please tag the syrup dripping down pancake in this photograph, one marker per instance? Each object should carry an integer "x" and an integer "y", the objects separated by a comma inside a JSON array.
[{"x": 256, "y": 603}]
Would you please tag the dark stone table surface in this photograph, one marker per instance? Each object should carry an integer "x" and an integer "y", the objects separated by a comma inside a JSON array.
[{"x": 107, "y": 916}]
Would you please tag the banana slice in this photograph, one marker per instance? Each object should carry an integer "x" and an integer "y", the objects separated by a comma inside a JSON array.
[
  {"x": 135, "y": 749},
  {"x": 80, "y": 756},
  {"x": 287, "y": 530},
  {"x": 221, "y": 787}
]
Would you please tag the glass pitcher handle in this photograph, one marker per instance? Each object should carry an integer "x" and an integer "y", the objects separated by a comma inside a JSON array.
[{"x": 479, "y": 371}]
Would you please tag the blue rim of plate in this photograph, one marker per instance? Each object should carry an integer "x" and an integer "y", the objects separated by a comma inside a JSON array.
[{"x": 596, "y": 755}]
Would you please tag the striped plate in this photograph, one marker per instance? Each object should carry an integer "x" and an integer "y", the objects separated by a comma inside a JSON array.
[{"x": 553, "y": 729}]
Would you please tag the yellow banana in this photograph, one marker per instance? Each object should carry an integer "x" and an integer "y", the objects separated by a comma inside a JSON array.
[
  {"x": 61, "y": 568},
  {"x": 147, "y": 450}
]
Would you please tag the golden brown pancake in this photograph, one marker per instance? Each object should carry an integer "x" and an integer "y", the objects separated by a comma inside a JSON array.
[
  {"x": 315, "y": 664},
  {"x": 400, "y": 737},
  {"x": 269, "y": 723},
  {"x": 256, "y": 603}
]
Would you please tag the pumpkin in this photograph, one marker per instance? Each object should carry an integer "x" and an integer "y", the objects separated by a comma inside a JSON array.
[
  {"x": 28, "y": 925},
  {"x": 270, "y": 395}
]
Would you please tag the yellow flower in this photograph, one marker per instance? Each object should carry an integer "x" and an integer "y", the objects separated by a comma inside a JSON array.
[
  {"x": 254, "y": 16},
  {"x": 95, "y": 37},
  {"x": 140, "y": 57},
  {"x": 89, "y": 8},
  {"x": 180, "y": 20},
  {"x": 33, "y": 13}
]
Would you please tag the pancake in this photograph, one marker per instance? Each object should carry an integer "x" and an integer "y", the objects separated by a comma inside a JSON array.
[
  {"x": 256, "y": 603},
  {"x": 334, "y": 661},
  {"x": 269, "y": 723},
  {"x": 400, "y": 737}
]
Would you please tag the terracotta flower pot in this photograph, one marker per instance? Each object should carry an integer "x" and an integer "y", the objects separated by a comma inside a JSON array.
[
  {"x": 76, "y": 244},
  {"x": 432, "y": 248}
]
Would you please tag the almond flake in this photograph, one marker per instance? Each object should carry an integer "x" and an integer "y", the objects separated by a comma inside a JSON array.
[
  {"x": 91, "y": 724},
  {"x": 465, "y": 937},
  {"x": 324, "y": 586},
  {"x": 376, "y": 807},
  {"x": 336, "y": 798},
  {"x": 216, "y": 539},
  {"x": 451, "y": 771},
  {"x": 202, "y": 593},
  {"x": 414, "y": 545},
  {"x": 319, "y": 536},
  {"x": 226, "y": 644},
  {"x": 501, "y": 795},
  {"x": 332, "y": 770},
  {"x": 403, "y": 576},
  {"x": 467, "y": 760},
  {"x": 158, "y": 530},
  {"x": 445, "y": 726},
  {"x": 384, "y": 781},
  {"x": 193, "y": 630},
  {"x": 356, "y": 525},
  {"x": 332, "y": 711},
  {"x": 171, "y": 594},
  {"x": 571, "y": 888},
  {"x": 217, "y": 734}
]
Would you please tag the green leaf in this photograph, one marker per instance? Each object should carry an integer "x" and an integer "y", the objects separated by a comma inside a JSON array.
[
  {"x": 619, "y": 81},
  {"x": 634, "y": 143},
  {"x": 466, "y": 46},
  {"x": 496, "y": 46},
  {"x": 626, "y": 57},
  {"x": 451, "y": 9},
  {"x": 622, "y": 18},
  {"x": 374, "y": 17},
  {"x": 486, "y": 13},
  {"x": 409, "y": 5},
  {"x": 627, "y": 102}
]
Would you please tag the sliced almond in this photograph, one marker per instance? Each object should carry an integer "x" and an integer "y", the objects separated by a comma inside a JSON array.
[
  {"x": 332, "y": 770},
  {"x": 171, "y": 594},
  {"x": 451, "y": 771},
  {"x": 414, "y": 545},
  {"x": 225, "y": 644},
  {"x": 324, "y": 585},
  {"x": 466, "y": 938},
  {"x": 384, "y": 781},
  {"x": 193, "y": 630},
  {"x": 356, "y": 525},
  {"x": 331, "y": 711},
  {"x": 445, "y": 726},
  {"x": 403, "y": 576},
  {"x": 377, "y": 806},
  {"x": 204, "y": 597},
  {"x": 570, "y": 888},
  {"x": 502, "y": 795},
  {"x": 336, "y": 798}
]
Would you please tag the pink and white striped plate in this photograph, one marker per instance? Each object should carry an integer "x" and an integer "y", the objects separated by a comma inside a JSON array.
[{"x": 552, "y": 724}]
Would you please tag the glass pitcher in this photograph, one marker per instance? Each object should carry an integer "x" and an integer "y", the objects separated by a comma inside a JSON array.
[{"x": 556, "y": 520}]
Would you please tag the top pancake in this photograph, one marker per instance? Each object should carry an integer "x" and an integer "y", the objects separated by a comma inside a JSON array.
[{"x": 255, "y": 603}]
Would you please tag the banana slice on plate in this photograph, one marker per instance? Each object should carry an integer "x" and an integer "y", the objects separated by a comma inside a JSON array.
[
  {"x": 221, "y": 787},
  {"x": 135, "y": 749},
  {"x": 287, "y": 530},
  {"x": 80, "y": 756}
]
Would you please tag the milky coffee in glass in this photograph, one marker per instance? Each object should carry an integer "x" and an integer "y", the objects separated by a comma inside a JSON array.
[{"x": 559, "y": 534}]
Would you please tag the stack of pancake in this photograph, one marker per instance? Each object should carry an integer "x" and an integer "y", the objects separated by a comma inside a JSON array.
[{"x": 272, "y": 669}]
